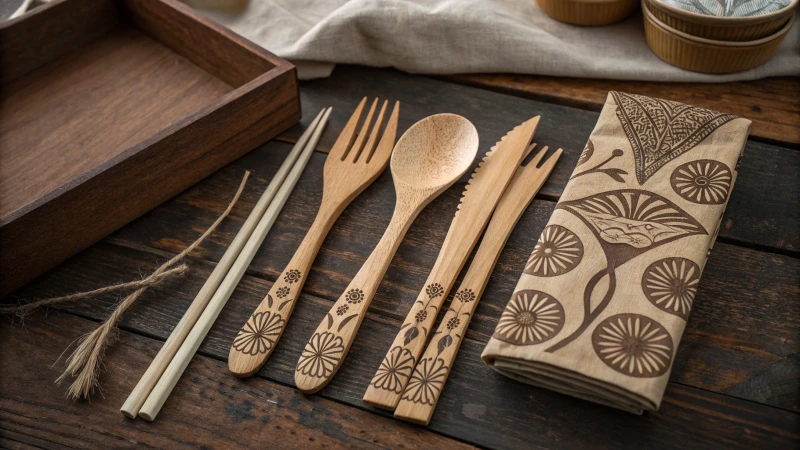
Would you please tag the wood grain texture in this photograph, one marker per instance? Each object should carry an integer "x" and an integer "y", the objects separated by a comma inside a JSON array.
[
  {"x": 29, "y": 42},
  {"x": 210, "y": 409},
  {"x": 139, "y": 170},
  {"x": 478, "y": 405},
  {"x": 770, "y": 103},
  {"x": 756, "y": 216},
  {"x": 49, "y": 132}
]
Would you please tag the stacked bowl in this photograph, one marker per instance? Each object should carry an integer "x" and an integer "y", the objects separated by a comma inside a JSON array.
[{"x": 684, "y": 33}]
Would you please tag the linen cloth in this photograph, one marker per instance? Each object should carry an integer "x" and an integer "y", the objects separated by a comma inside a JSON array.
[
  {"x": 465, "y": 36},
  {"x": 603, "y": 301}
]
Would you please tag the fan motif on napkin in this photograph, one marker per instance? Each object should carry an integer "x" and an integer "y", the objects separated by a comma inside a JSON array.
[
  {"x": 626, "y": 223},
  {"x": 660, "y": 130}
]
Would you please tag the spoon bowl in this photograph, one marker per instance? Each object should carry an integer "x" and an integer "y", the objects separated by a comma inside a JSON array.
[{"x": 434, "y": 152}]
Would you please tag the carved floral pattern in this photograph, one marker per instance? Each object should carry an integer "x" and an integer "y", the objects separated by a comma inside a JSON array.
[
  {"x": 396, "y": 367},
  {"x": 426, "y": 382},
  {"x": 321, "y": 355},
  {"x": 292, "y": 276},
  {"x": 258, "y": 335}
]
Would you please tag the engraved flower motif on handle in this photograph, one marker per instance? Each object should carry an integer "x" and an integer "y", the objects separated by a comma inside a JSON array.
[
  {"x": 426, "y": 382},
  {"x": 531, "y": 317},
  {"x": 465, "y": 295},
  {"x": 355, "y": 296},
  {"x": 259, "y": 333},
  {"x": 321, "y": 355},
  {"x": 434, "y": 290},
  {"x": 633, "y": 345},
  {"x": 292, "y": 276},
  {"x": 670, "y": 284},
  {"x": 282, "y": 291},
  {"x": 399, "y": 362},
  {"x": 341, "y": 310}
]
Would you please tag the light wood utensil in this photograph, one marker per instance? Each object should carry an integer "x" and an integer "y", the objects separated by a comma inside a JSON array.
[
  {"x": 139, "y": 394},
  {"x": 160, "y": 393},
  {"x": 480, "y": 197},
  {"x": 352, "y": 165},
  {"x": 422, "y": 392},
  {"x": 428, "y": 159}
]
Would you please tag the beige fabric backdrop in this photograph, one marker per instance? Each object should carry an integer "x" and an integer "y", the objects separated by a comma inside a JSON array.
[{"x": 460, "y": 36}]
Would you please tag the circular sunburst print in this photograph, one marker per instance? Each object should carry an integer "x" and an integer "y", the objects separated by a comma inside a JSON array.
[
  {"x": 557, "y": 252},
  {"x": 670, "y": 284},
  {"x": 531, "y": 317},
  {"x": 633, "y": 345},
  {"x": 704, "y": 181}
]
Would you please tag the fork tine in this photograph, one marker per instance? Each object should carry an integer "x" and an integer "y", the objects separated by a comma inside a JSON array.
[
  {"x": 536, "y": 159},
  {"x": 346, "y": 137},
  {"x": 369, "y": 149},
  {"x": 528, "y": 150},
  {"x": 355, "y": 150},
  {"x": 386, "y": 145},
  {"x": 551, "y": 160}
]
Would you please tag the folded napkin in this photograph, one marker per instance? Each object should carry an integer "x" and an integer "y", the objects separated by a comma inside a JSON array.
[{"x": 603, "y": 301}]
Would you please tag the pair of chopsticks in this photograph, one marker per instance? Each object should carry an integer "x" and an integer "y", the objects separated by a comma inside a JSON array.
[{"x": 154, "y": 387}]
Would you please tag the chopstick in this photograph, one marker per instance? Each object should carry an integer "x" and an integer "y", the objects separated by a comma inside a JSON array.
[{"x": 170, "y": 362}]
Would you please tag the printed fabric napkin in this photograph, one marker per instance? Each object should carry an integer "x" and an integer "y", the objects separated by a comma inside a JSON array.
[{"x": 601, "y": 305}]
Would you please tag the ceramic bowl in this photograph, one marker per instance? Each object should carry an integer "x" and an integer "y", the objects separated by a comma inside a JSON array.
[
  {"x": 705, "y": 55},
  {"x": 738, "y": 29}
]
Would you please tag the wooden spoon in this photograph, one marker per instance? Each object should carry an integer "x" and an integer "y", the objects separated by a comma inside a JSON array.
[{"x": 427, "y": 159}]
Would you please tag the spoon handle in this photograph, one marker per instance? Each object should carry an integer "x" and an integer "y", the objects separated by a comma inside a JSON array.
[{"x": 328, "y": 346}]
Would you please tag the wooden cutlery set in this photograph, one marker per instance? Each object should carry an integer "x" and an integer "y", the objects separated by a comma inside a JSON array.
[{"x": 429, "y": 158}]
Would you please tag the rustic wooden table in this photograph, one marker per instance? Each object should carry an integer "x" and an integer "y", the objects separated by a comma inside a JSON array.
[{"x": 735, "y": 378}]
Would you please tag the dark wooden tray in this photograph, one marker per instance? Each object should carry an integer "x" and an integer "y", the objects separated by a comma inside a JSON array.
[{"x": 109, "y": 108}]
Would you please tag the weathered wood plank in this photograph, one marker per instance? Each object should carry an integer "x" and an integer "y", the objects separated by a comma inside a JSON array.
[
  {"x": 742, "y": 325},
  {"x": 758, "y": 215},
  {"x": 208, "y": 409},
  {"x": 491, "y": 410},
  {"x": 771, "y": 103}
]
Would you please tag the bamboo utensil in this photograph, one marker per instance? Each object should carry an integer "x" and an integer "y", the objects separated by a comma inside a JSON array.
[
  {"x": 351, "y": 167},
  {"x": 284, "y": 184},
  {"x": 139, "y": 394},
  {"x": 422, "y": 392},
  {"x": 477, "y": 203},
  {"x": 428, "y": 159}
]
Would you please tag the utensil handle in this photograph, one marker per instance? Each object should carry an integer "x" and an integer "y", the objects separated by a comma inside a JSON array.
[
  {"x": 328, "y": 346},
  {"x": 424, "y": 386},
  {"x": 260, "y": 334},
  {"x": 421, "y": 392}
]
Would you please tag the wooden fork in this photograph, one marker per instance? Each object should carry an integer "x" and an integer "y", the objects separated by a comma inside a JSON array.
[{"x": 352, "y": 165}]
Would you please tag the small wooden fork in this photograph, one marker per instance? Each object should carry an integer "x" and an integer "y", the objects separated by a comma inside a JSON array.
[{"x": 352, "y": 165}]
